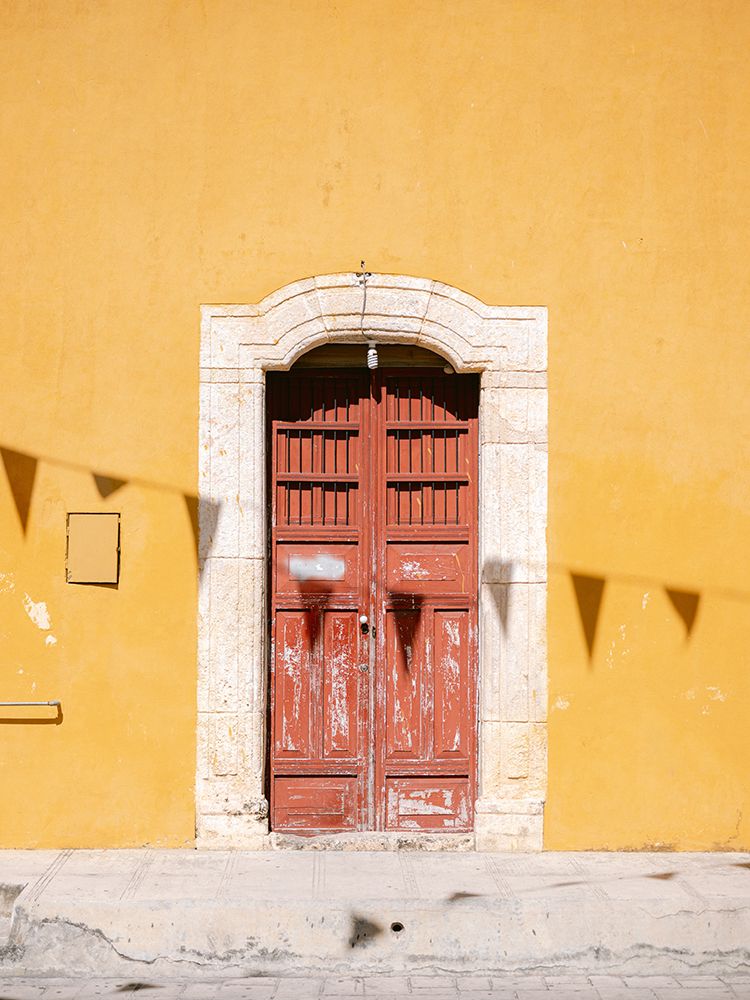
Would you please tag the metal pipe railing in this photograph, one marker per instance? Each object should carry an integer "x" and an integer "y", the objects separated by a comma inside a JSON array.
[{"x": 28, "y": 704}]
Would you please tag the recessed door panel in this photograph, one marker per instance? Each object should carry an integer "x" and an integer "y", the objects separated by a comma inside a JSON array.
[
  {"x": 294, "y": 680},
  {"x": 320, "y": 570},
  {"x": 430, "y": 804},
  {"x": 452, "y": 712},
  {"x": 428, "y": 568},
  {"x": 324, "y": 804},
  {"x": 403, "y": 684},
  {"x": 341, "y": 679}
]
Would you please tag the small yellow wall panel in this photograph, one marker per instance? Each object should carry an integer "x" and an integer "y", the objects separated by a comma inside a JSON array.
[{"x": 93, "y": 548}]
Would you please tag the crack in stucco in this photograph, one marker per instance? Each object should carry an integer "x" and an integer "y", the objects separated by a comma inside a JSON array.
[{"x": 188, "y": 956}]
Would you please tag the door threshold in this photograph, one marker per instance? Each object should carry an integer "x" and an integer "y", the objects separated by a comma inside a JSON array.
[{"x": 373, "y": 840}]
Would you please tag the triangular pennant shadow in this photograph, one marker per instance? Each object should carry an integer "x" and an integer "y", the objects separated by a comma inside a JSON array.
[
  {"x": 501, "y": 597},
  {"x": 685, "y": 603},
  {"x": 107, "y": 485},
  {"x": 203, "y": 511},
  {"x": 191, "y": 503},
  {"x": 21, "y": 472},
  {"x": 494, "y": 571},
  {"x": 589, "y": 592}
]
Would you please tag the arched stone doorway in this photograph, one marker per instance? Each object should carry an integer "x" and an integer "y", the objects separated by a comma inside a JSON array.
[{"x": 507, "y": 347}]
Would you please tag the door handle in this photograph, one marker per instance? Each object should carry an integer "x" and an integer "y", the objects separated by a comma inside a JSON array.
[{"x": 365, "y": 627}]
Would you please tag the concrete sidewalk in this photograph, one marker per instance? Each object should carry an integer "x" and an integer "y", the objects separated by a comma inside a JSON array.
[{"x": 187, "y": 914}]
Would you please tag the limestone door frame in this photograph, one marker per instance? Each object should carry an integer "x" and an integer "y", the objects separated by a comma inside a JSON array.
[{"x": 508, "y": 347}]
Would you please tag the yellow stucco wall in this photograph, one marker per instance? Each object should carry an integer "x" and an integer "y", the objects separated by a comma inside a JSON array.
[{"x": 589, "y": 156}]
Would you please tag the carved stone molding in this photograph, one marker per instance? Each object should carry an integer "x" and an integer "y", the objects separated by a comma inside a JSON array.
[{"x": 508, "y": 346}]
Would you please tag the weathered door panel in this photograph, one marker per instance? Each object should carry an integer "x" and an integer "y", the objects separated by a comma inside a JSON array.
[
  {"x": 452, "y": 685},
  {"x": 374, "y": 491},
  {"x": 317, "y": 570},
  {"x": 293, "y": 736},
  {"x": 325, "y": 804},
  {"x": 404, "y": 686},
  {"x": 424, "y": 568},
  {"x": 434, "y": 805},
  {"x": 341, "y": 676}
]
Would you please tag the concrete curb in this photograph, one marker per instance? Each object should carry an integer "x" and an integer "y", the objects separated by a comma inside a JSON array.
[{"x": 272, "y": 926}]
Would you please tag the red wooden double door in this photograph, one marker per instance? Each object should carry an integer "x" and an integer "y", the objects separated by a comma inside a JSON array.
[{"x": 373, "y": 600}]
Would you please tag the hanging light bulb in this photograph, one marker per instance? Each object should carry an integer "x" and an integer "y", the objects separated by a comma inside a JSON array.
[{"x": 372, "y": 355}]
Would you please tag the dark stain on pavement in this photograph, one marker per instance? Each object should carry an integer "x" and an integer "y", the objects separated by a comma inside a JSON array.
[{"x": 363, "y": 931}]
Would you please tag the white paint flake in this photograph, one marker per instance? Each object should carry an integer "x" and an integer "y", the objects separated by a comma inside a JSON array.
[
  {"x": 611, "y": 654},
  {"x": 291, "y": 658},
  {"x": 561, "y": 704},
  {"x": 37, "y": 612},
  {"x": 451, "y": 680},
  {"x": 7, "y": 584},
  {"x": 418, "y": 805},
  {"x": 411, "y": 570},
  {"x": 51, "y": 640},
  {"x": 714, "y": 694},
  {"x": 646, "y": 598},
  {"x": 339, "y": 673},
  {"x": 618, "y": 654}
]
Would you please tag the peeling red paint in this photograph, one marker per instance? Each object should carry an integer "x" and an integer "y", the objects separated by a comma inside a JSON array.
[{"x": 374, "y": 497}]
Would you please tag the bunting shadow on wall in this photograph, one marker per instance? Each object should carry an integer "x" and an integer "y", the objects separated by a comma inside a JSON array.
[
  {"x": 107, "y": 485},
  {"x": 685, "y": 603},
  {"x": 589, "y": 591},
  {"x": 205, "y": 511},
  {"x": 318, "y": 597},
  {"x": 499, "y": 570},
  {"x": 408, "y": 614},
  {"x": 21, "y": 472},
  {"x": 192, "y": 505}
]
